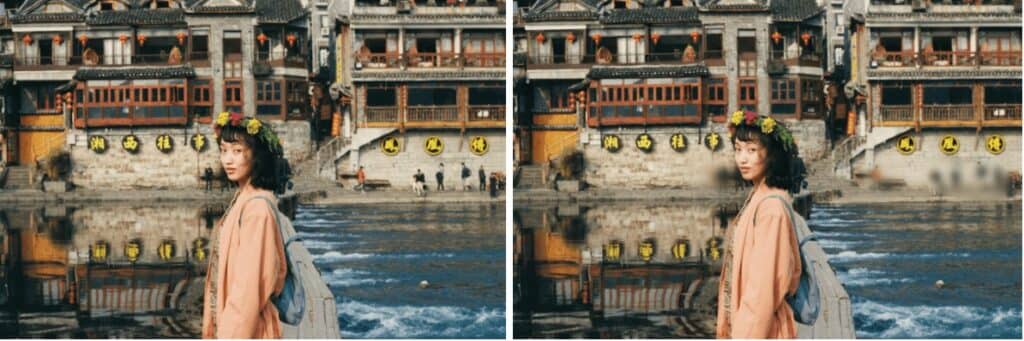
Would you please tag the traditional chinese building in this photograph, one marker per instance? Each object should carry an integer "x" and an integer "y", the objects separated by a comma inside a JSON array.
[
  {"x": 420, "y": 83},
  {"x": 935, "y": 88},
  {"x": 130, "y": 87},
  {"x": 643, "y": 88}
]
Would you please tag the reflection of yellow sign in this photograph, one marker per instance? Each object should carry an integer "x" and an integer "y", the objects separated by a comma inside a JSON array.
[
  {"x": 478, "y": 145},
  {"x": 389, "y": 146},
  {"x": 714, "y": 251},
  {"x": 646, "y": 250},
  {"x": 166, "y": 250},
  {"x": 199, "y": 249},
  {"x": 678, "y": 142},
  {"x": 906, "y": 145},
  {"x": 434, "y": 146},
  {"x": 644, "y": 143},
  {"x": 611, "y": 143},
  {"x": 679, "y": 250},
  {"x": 198, "y": 142},
  {"x": 130, "y": 143},
  {"x": 995, "y": 144},
  {"x": 949, "y": 145},
  {"x": 712, "y": 141},
  {"x": 612, "y": 251},
  {"x": 133, "y": 250},
  {"x": 99, "y": 251},
  {"x": 98, "y": 144},
  {"x": 164, "y": 143}
]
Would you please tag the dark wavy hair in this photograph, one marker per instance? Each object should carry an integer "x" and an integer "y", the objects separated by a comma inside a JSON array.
[
  {"x": 784, "y": 168},
  {"x": 270, "y": 170}
]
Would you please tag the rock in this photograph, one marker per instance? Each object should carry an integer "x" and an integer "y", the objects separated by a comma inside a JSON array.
[
  {"x": 939, "y": 284},
  {"x": 424, "y": 284}
]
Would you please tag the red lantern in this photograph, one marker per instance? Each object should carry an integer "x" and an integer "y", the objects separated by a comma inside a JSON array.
[
  {"x": 27, "y": 39},
  {"x": 83, "y": 39},
  {"x": 291, "y": 39},
  {"x": 596, "y": 37},
  {"x": 540, "y": 38},
  {"x": 262, "y": 38},
  {"x": 123, "y": 38},
  {"x": 142, "y": 39},
  {"x": 695, "y": 36},
  {"x": 181, "y": 38},
  {"x": 776, "y": 36},
  {"x": 570, "y": 38},
  {"x": 806, "y": 37},
  {"x": 655, "y": 38},
  {"x": 58, "y": 39},
  {"x": 637, "y": 36}
]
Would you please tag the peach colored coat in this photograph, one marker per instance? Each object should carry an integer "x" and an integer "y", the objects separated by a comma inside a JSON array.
[
  {"x": 765, "y": 269},
  {"x": 250, "y": 269}
]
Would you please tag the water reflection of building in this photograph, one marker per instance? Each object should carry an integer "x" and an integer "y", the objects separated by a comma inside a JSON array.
[
  {"x": 605, "y": 271},
  {"x": 70, "y": 271}
]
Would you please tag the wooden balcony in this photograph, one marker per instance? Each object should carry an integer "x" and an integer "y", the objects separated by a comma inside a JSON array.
[
  {"x": 485, "y": 59},
  {"x": 487, "y": 113},
  {"x": 947, "y": 58},
  {"x": 381, "y": 114},
  {"x": 896, "y": 59},
  {"x": 440, "y": 113},
  {"x": 1002, "y": 58},
  {"x": 428, "y": 60},
  {"x": 380, "y": 60},
  {"x": 947, "y": 113},
  {"x": 298, "y": 61},
  {"x": 1002, "y": 114},
  {"x": 897, "y": 113}
]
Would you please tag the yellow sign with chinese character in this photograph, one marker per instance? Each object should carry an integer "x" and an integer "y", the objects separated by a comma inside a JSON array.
[
  {"x": 611, "y": 143},
  {"x": 433, "y": 146},
  {"x": 166, "y": 250},
  {"x": 995, "y": 144},
  {"x": 98, "y": 144},
  {"x": 949, "y": 145},
  {"x": 390, "y": 146},
  {"x": 198, "y": 142},
  {"x": 679, "y": 251},
  {"x": 645, "y": 143},
  {"x": 130, "y": 144},
  {"x": 132, "y": 250},
  {"x": 612, "y": 251},
  {"x": 713, "y": 141},
  {"x": 906, "y": 145},
  {"x": 478, "y": 145},
  {"x": 164, "y": 143},
  {"x": 646, "y": 250},
  {"x": 678, "y": 142}
]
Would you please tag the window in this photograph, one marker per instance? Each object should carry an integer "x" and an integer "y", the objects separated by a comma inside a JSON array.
[
  {"x": 36, "y": 98},
  {"x": 200, "y": 45},
  {"x": 233, "y": 96},
  {"x": 896, "y": 94},
  {"x": 783, "y": 97},
  {"x": 717, "y": 99},
  {"x": 947, "y": 94},
  {"x": 431, "y": 96},
  {"x": 1007, "y": 92},
  {"x": 163, "y": 4},
  {"x": 107, "y": 6},
  {"x": 380, "y": 97},
  {"x": 713, "y": 44},
  {"x": 557, "y": 95},
  {"x": 748, "y": 94},
  {"x": 268, "y": 98},
  {"x": 484, "y": 95},
  {"x": 296, "y": 98},
  {"x": 811, "y": 95},
  {"x": 201, "y": 102},
  {"x": 621, "y": 4}
]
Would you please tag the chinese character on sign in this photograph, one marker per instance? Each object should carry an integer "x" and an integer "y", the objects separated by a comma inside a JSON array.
[
  {"x": 611, "y": 143},
  {"x": 164, "y": 143},
  {"x": 389, "y": 146},
  {"x": 949, "y": 145},
  {"x": 433, "y": 146},
  {"x": 130, "y": 144},
  {"x": 198, "y": 142},
  {"x": 712, "y": 141},
  {"x": 98, "y": 144},
  {"x": 478, "y": 145},
  {"x": 644, "y": 143},
  {"x": 995, "y": 144},
  {"x": 678, "y": 142},
  {"x": 906, "y": 145}
]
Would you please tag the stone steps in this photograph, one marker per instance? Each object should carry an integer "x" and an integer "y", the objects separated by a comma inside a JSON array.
[
  {"x": 17, "y": 178},
  {"x": 530, "y": 176}
]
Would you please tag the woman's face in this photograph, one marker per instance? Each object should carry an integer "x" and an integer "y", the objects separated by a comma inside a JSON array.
[
  {"x": 236, "y": 158},
  {"x": 751, "y": 159}
]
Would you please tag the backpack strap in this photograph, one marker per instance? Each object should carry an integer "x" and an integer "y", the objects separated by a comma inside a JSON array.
[
  {"x": 277, "y": 221},
  {"x": 801, "y": 239}
]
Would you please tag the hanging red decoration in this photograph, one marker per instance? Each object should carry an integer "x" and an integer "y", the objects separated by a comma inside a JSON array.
[
  {"x": 262, "y": 38},
  {"x": 27, "y": 39},
  {"x": 637, "y": 36},
  {"x": 83, "y": 39},
  {"x": 181, "y": 38},
  {"x": 570, "y": 37},
  {"x": 776, "y": 37},
  {"x": 142, "y": 39},
  {"x": 596, "y": 37},
  {"x": 695, "y": 36},
  {"x": 540, "y": 38},
  {"x": 655, "y": 38},
  {"x": 58, "y": 39},
  {"x": 806, "y": 37},
  {"x": 123, "y": 38},
  {"x": 291, "y": 39}
]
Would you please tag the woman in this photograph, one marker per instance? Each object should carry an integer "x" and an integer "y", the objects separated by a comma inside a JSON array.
[
  {"x": 762, "y": 263},
  {"x": 247, "y": 266}
]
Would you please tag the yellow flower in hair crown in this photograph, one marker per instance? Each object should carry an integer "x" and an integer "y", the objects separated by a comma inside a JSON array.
[
  {"x": 252, "y": 127},
  {"x": 765, "y": 124}
]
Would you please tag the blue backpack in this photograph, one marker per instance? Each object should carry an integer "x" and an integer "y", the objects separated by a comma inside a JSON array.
[
  {"x": 806, "y": 301},
  {"x": 291, "y": 302}
]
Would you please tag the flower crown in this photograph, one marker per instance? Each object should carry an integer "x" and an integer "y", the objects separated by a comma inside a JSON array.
[
  {"x": 767, "y": 124},
  {"x": 252, "y": 126}
]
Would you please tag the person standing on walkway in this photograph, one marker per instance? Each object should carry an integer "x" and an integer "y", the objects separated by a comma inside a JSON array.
[
  {"x": 761, "y": 266},
  {"x": 419, "y": 183},
  {"x": 247, "y": 266},
  {"x": 483, "y": 178},
  {"x": 208, "y": 177},
  {"x": 361, "y": 179},
  {"x": 440, "y": 177},
  {"x": 466, "y": 174}
]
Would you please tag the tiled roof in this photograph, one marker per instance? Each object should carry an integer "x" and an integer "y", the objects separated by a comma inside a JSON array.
[
  {"x": 222, "y": 9},
  {"x": 163, "y": 16},
  {"x": 651, "y": 15},
  {"x": 662, "y": 71},
  {"x": 46, "y": 18},
  {"x": 279, "y": 11},
  {"x": 158, "y": 72},
  {"x": 941, "y": 16},
  {"x": 794, "y": 10},
  {"x": 560, "y": 16},
  {"x": 398, "y": 75},
  {"x": 428, "y": 19},
  {"x": 927, "y": 73},
  {"x": 758, "y": 7}
]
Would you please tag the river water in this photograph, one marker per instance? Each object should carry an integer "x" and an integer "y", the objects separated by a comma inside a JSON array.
[{"x": 888, "y": 257}]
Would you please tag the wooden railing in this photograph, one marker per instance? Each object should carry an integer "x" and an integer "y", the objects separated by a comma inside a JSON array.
[
  {"x": 441, "y": 59},
  {"x": 382, "y": 114},
  {"x": 947, "y": 58},
  {"x": 953, "y": 112},
  {"x": 897, "y": 113},
  {"x": 379, "y": 60},
  {"x": 432, "y": 113},
  {"x": 1000, "y": 112},
  {"x": 897, "y": 59},
  {"x": 1002, "y": 58},
  {"x": 487, "y": 113},
  {"x": 485, "y": 59}
]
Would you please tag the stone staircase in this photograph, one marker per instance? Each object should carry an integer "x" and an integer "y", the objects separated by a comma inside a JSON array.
[
  {"x": 530, "y": 176},
  {"x": 321, "y": 164},
  {"x": 17, "y": 178}
]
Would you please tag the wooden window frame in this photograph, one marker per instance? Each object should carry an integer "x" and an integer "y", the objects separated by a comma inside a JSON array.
[
  {"x": 132, "y": 97},
  {"x": 792, "y": 88},
  {"x": 750, "y": 85},
  {"x": 262, "y": 99},
  {"x": 646, "y": 96}
]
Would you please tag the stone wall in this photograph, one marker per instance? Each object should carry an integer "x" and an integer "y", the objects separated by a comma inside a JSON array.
[
  {"x": 975, "y": 165},
  {"x": 117, "y": 169},
  {"x": 663, "y": 167},
  {"x": 398, "y": 169}
]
